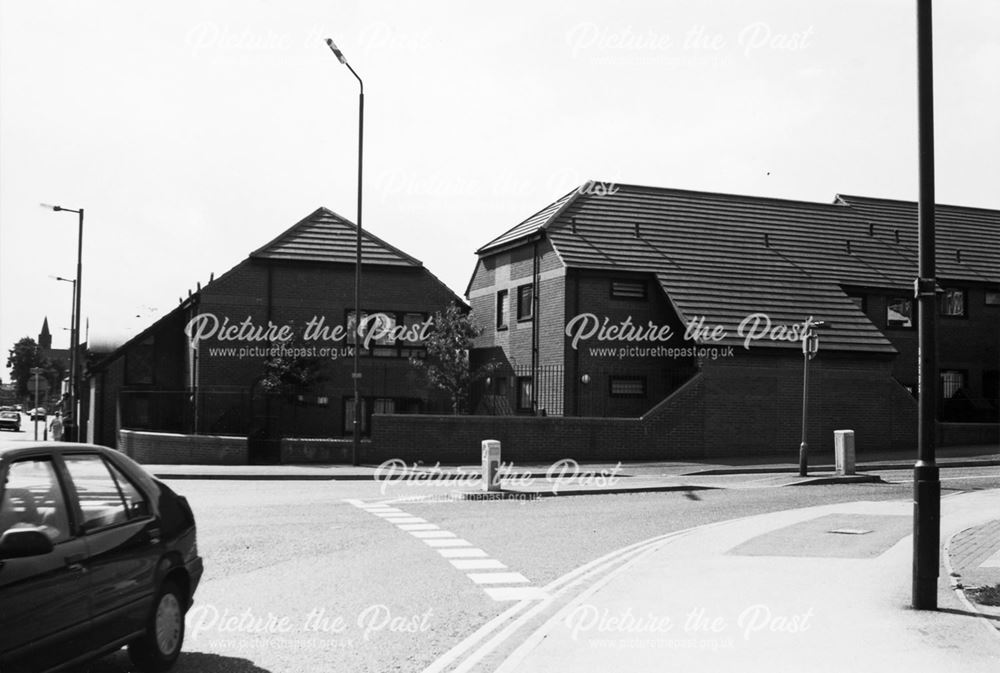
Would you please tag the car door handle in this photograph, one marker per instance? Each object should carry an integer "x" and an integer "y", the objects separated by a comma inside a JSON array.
[
  {"x": 75, "y": 561},
  {"x": 154, "y": 535}
]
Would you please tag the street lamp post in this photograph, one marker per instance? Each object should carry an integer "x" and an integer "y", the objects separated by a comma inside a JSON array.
[
  {"x": 810, "y": 346},
  {"x": 71, "y": 426},
  {"x": 356, "y": 374},
  {"x": 72, "y": 329},
  {"x": 926, "y": 476}
]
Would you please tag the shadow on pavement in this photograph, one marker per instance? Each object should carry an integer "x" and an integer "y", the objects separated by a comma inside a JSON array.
[
  {"x": 965, "y": 613},
  {"x": 189, "y": 662}
]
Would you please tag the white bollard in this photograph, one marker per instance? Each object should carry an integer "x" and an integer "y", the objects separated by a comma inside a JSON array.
[
  {"x": 843, "y": 449},
  {"x": 491, "y": 465}
]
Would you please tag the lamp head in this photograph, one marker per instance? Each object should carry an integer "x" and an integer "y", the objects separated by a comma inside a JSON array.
[
  {"x": 51, "y": 207},
  {"x": 336, "y": 52}
]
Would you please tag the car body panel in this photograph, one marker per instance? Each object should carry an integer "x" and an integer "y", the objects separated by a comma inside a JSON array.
[{"x": 119, "y": 567}]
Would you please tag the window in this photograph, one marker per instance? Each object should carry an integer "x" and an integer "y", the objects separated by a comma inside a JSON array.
[
  {"x": 952, "y": 303},
  {"x": 899, "y": 313},
  {"x": 503, "y": 309},
  {"x": 135, "y": 502},
  {"x": 628, "y": 289},
  {"x": 628, "y": 386},
  {"x": 101, "y": 499},
  {"x": 352, "y": 326},
  {"x": 31, "y": 497},
  {"x": 952, "y": 380},
  {"x": 384, "y": 405},
  {"x": 993, "y": 297},
  {"x": 525, "y": 299},
  {"x": 524, "y": 392},
  {"x": 383, "y": 343}
]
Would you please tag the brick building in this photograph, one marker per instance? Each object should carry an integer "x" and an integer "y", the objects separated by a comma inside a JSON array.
[
  {"x": 201, "y": 368},
  {"x": 686, "y": 309}
]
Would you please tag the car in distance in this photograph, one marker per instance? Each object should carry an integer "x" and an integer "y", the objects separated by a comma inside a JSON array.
[
  {"x": 10, "y": 420},
  {"x": 95, "y": 554},
  {"x": 37, "y": 414}
]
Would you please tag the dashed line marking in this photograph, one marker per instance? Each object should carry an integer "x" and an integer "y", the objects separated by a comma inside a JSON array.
[
  {"x": 461, "y": 553},
  {"x": 417, "y": 526},
  {"x": 472, "y": 552},
  {"x": 430, "y": 534},
  {"x": 455, "y": 542},
  {"x": 516, "y": 593},
  {"x": 407, "y": 519},
  {"x": 497, "y": 578},
  {"x": 478, "y": 564}
]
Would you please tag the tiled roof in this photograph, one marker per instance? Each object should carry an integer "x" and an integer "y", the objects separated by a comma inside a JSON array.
[
  {"x": 325, "y": 236},
  {"x": 967, "y": 239},
  {"x": 532, "y": 224},
  {"x": 724, "y": 257}
]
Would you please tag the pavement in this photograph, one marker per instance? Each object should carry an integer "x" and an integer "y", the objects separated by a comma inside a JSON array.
[
  {"x": 567, "y": 477},
  {"x": 823, "y": 588}
]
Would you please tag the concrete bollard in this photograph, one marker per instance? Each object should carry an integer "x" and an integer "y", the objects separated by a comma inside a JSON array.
[
  {"x": 843, "y": 449},
  {"x": 491, "y": 465}
]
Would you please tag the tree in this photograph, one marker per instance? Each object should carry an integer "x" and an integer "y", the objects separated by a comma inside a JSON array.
[
  {"x": 25, "y": 355},
  {"x": 288, "y": 373},
  {"x": 446, "y": 362},
  {"x": 20, "y": 359}
]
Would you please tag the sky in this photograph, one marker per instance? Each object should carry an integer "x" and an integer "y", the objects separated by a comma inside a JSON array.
[{"x": 194, "y": 132}]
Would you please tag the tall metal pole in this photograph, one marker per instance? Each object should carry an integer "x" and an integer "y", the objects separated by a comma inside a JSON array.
[
  {"x": 75, "y": 363},
  {"x": 926, "y": 478},
  {"x": 356, "y": 374},
  {"x": 357, "y": 280},
  {"x": 803, "y": 446},
  {"x": 72, "y": 426}
]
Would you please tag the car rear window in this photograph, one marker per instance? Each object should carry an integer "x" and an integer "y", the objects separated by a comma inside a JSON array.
[{"x": 106, "y": 499}]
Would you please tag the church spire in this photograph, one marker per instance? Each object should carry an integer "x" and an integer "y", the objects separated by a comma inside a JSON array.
[{"x": 45, "y": 337}]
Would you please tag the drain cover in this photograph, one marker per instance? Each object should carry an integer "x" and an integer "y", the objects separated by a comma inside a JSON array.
[{"x": 849, "y": 531}]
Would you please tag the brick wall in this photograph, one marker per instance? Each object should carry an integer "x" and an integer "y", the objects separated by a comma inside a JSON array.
[{"x": 157, "y": 448}]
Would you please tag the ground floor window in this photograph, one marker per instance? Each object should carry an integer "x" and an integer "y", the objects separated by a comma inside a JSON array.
[
  {"x": 524, "y": 390},
  {"x": 952, "y": 380}
]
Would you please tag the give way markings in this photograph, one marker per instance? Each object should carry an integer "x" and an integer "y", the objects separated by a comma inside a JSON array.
[{"x": 494, "y": 577}]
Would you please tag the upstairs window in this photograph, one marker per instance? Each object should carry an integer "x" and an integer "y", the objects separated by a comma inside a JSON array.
[
  {"x": 899, "y": 312},
  {"x": 993, "y": 297},
  {"x": 525, "y": 300},
  {"x": 628, "y": 289},
  {"x": 503, "y": 309},
  {"x": 952, "y": 303}
]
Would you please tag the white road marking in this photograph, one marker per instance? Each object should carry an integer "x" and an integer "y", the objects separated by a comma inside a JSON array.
[
  {"x": 429, "y": 534},
  {"x": 516, "y": 593},
  {"x": 457, "y": 542},
  {"x": 478, "y": 564},
  {"x": 407, "y": 519},
  {"x": 463, "y": 553},
  {"x": 466, "y": 557},
  {"x": 497, "y": 578}
]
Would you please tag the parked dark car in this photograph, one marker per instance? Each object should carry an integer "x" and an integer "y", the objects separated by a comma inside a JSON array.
[
  {"x": 95, "y": 554},
  {"x": 37, "y": 414},
  {"x": 10, "y": 420}
]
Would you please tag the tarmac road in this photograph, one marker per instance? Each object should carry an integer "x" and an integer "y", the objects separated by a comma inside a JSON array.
[{"x": 305, "y": 576}]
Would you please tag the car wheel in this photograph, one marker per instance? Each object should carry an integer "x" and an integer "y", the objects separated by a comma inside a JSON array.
[{"x": 159, "y": 647}]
